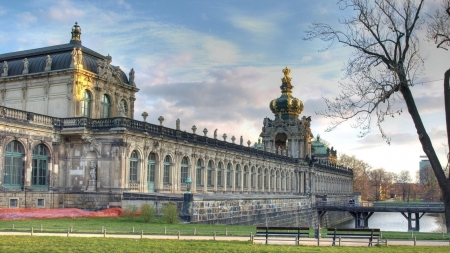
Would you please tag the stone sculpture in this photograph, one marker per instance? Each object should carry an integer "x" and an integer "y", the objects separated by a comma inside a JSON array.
[
  {"x": 5, "y": 68},
  {"x": 48, "y": 63},
  {"x": 25, "y": 66}
]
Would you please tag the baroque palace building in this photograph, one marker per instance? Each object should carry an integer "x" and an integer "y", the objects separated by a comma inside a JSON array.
[{"x": 67, "y": 127}]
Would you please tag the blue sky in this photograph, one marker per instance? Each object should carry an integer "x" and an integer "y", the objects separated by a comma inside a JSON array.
[{"x": 217, "y": 64}]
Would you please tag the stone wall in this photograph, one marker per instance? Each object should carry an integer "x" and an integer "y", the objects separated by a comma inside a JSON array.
[
  {"x": 274, "y": 211},
  {"x": 82, "y": 200}
]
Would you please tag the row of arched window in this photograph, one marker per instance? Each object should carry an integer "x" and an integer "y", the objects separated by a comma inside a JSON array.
[
  {"x": 105, "y": 105},
  {"x": 244, "y": 176},
  {"x": 13, "y": 172}
]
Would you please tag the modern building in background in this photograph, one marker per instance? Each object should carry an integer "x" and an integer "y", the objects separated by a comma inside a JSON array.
[{"x": 423, "y": 162}]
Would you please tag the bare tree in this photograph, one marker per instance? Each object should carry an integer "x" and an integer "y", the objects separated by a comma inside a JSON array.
[
  {"x": 405, "y": 178},
  {"x": 360, "y": 174},
  {"x": 438, "y": 30},
  {"x": 382, "y": 68},
  {"x": 429, "y": 184}
]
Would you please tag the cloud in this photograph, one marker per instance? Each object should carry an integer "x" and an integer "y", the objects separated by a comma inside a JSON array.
[
  {"x": 306, "y": 59},
  {"x": 2, "y": 11},
  {"x": 124, "y": 4},
  {"x": 256, "y": 26},
  {"x": 65, "y": 11},
  {"x": 26, "y": 19}
]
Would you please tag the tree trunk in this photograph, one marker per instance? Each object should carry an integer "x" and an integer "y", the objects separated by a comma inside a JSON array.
[
  {"x": 427, "y": 147},
  {"x": 447, "y": 111}
]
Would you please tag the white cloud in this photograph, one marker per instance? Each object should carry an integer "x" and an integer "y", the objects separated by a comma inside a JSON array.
[
  {"x": 306, "y": 59},
  {"x": 2, "y": 11},
  {"x": 26, "y": 19},
  {"x": 65, "y": 11},
  {"x": 259, "y": 27},
  {"x": 124, "y": 4}
]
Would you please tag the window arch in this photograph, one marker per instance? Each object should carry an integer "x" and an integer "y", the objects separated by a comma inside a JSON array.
[
  {"x": 229, "y": 175},
  {"x": 210, "y": 178},
  {"x": 266, "y": 179},
  {"x": 244, "y": 179},
  {"x": 277, "y": 181},
  {"x": 259, "y": 178},
  {"x": 105, "y": 111},
  {"x": 199, "y": 173},
  {"x": 151, "y": 172},
  {"x": 166, "y": 173},
  {"x": 184, "y": 170},
  {"x": 219, "y": 174},
  {"x": 252, "y": 178},
  {"x": 134, "y": 165},
  {"x": 39, "y": 166},
  {"x": 272, "y": 179},
  {"x": 237, "y": 176},
  {"x": 13, "y": 165},
  {"x": 86, "y": 101}
]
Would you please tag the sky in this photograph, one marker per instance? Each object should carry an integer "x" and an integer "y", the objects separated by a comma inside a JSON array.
[{"x": 217, "y": 64}]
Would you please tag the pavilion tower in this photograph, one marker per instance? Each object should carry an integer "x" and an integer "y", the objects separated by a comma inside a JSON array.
[{"x": 287, "y": 134}]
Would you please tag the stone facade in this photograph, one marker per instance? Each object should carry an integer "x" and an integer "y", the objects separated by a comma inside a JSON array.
[{"x": 67, "y": 129}]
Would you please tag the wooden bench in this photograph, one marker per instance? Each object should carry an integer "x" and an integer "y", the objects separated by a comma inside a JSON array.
[
  {"x": 281, "y": 232},
  {"x": 353, "y": 233}
]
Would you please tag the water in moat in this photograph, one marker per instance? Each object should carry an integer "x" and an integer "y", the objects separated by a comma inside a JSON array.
[{"x": 430, "y": 222}]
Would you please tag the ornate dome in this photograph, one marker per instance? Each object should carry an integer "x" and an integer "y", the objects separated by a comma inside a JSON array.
[{"x": 286, "y": 104}]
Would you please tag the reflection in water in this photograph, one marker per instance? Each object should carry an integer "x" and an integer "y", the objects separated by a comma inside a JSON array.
[{"x": 396, "y": 222}]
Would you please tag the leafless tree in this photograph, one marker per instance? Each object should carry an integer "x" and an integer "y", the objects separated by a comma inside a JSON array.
[
  {"x": 360, "y": 174},
  {"x": 382, "y": 68},
  {"x": 405, "y": 179},
  {"x": 438, "y": 29},
  {"x": 429, "y": 184}
]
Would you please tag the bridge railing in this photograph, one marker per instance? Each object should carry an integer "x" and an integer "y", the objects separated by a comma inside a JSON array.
[{"x": 432, "y": 205}]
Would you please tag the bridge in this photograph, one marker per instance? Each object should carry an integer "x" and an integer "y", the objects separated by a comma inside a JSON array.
[{"x": 361, "y": 211}]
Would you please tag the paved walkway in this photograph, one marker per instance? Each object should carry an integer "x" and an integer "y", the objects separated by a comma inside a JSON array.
[{"x": 258, "y": 240}]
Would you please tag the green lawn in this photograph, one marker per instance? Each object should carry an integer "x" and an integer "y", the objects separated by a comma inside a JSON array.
[
  {"x": 124, "y": 226},
  {"x": 111, "y": 245}
]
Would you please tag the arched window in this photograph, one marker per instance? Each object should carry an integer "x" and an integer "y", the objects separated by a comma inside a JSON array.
[
  {"x": 277, "y": 180},
  {"x": 151, "y": 172},
  {"x": 259, "y": 178},
  {"x": 166, "y": 173},
  {"x": 184, "y": 170},
  {"x": 199, "y": 173},
  {"x": 134, "y": 163},
  {"x": 39, "y": 166},
  {"x": 266, "y": 179},
  {"x": 86, "y": 104},
  {"x": 244, "y": 180},
  {"x": 219, "y": 174},
  {"x": 237, "y": 176},
  {"x": 282, "y": 181},
  {"x": 252, "y": 178},
  {"x": 13, "y": 166},
  {"x": 272, "y": 179},
  {"x": 105, "y": 107},
  {"x": 229, "y": 175},
  {"x": 210, "y": 179}
]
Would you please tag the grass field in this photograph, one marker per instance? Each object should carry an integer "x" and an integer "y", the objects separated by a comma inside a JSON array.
[
  {"x": 124, "y": 226},
  {"x": 111, "y": 245}
]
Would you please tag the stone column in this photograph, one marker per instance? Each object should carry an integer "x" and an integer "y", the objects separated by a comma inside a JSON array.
[
  {"x": 214, "y": 175},
  {"x": 205, "y": 178}
]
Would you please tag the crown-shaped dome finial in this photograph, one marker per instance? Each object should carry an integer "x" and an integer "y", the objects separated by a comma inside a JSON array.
[
  {"x": 76, "y": 34},
  {"x": 286, "y": 106}
]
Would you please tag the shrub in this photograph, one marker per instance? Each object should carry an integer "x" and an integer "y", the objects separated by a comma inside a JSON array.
[
  {"x": 129, "y": 212},
  {"x": 169, "y": 213},
  {"x": 147, "y": 213}
]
